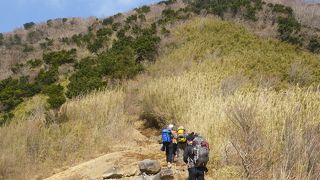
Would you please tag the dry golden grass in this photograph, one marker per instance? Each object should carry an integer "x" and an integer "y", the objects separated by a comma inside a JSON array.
[
  {"x": 84, "y": 128},
  {"x": 255, "y": 131}
]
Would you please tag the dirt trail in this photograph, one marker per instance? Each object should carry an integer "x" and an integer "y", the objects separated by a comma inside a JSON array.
[{"x": 126, "y": 159}]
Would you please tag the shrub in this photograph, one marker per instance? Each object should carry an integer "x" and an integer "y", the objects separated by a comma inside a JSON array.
[
  {"x": 279, "y": 8},
  {"x": 1, "y": 39},
  {"x": 34, "y": 36},
  {"x": 120, "y": 63},
  {"x": 219, "y": 7},
  {"x": 107, "y": 21},
  {"x": 168, "y": 2},
  {"x": 131, "y": 18},
  {"x": 86, "y": 79},
  {"x": 314, "y": 45},
  {"x": 49, "y": 22},
  {"x": 142, "y": 17},
  {"x": 77, "y": 39},
  {"x": 57, "y": 58},
  {"x": 168, "y": 15},
  {"x": 48, "y": 43},
  {"x": 35, "y": 63},
  {"x": 117, "y": 15},
  {"x": 13, "y": 91},
  {"x": 64, "y": 20},
  {"x": 28, "y": 25},
  {"x": 115, "y": 26},
  {"x": 288, "y": 27},
  {"x": 5, "y": 119},
  {"x": 56, "y": 95},
  {"x": 250, "y": 13},
  {"x": 143, "y": 9},
  {"x": 47, "y": 77},
  {"x": 104, "y": 32},
  {"x": 95, "y": 46},
  {"x": 146, "y": 45}
]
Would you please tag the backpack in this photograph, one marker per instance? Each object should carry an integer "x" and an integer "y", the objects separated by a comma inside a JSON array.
[
  {"x": 200, "y": 152},
  {"x": 166, "y": 136},
  {"x": 181, "y": 136}
]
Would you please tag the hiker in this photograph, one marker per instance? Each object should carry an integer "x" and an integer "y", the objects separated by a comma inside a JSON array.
[
  {"x": 168, "y": 143},
  {"x": 181, "y": 140},
  {"x": 196, "y": 156}
]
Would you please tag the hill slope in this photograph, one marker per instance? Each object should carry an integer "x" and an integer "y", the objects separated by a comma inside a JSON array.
[{"x": 255, "y": 99}]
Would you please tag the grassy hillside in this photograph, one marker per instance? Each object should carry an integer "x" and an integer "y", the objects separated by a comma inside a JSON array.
[
  {"x": 94, "y": 53},
  {"x": 260, "y": 122},
  {"x": 256, "y": 130},
  {"x": 255, "y": 99}
]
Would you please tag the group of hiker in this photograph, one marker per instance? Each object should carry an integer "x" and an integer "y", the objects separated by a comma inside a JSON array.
[{"x": 191, "y": 147}]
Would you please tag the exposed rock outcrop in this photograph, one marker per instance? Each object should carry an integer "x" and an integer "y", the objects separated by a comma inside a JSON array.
[{"x": 149, "y": 166}]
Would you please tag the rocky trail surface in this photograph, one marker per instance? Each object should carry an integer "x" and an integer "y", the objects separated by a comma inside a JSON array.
[{"x": 135, "y": 162}]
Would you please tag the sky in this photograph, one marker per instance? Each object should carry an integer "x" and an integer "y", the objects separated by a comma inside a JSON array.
[{"x": 14, "y": 13}]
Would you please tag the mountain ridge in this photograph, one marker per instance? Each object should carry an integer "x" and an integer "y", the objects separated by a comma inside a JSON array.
[{"x": 216, "y": 69}]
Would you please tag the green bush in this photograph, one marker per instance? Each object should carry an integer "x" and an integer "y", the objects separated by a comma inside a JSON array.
[
  {"x": 35, "y": 63},
  {"x": 28, "y": 25},
  {"x": 12, "y": 92},
  {"x": 115, "y": 26},
  {"x": 1, "y": 39},
  {"x": 250, "y": 13},
  {"x": 219, "y": 7},
  {"x": 57, "y": 58},
  {"x": 77, "y": 39},
  {"x": 314, "y": 45},
  {"x": 56, "y": 95},
  {"x": 120, "y": 63},
  {"x": 146, "y": 45},
  {"x": 107, "y": 21},
  {"x": 104, "y": 32},
  {"x": 48, "y": 43},
  {"x": 288, "y": 28},
  {"x": 131, "y": 18},
  {"x": 49, "y": 22},
  {"x": 142, "y": 17},
  {"x": 95, "y": 45},
  {"x": 168, "y": 15},
  {"x": 167, "y": 2},
  {"x": 143, "y": 9},
  {"x": 279, "y": 8},
  {"x": 86, "y": 79},
  {"x": 6, "y": 118},
  {"x": 47, "y": 77},
  {"x": 64, "y": 20}
]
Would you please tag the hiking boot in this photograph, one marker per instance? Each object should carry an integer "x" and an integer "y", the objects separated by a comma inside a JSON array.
[{"x": 169, "y": 165}]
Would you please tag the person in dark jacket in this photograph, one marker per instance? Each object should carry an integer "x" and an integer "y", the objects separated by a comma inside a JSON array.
[{"x": 195, "y": 173}]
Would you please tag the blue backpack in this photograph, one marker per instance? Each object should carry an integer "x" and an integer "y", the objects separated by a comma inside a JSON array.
[{"x": 166, "y": 136}]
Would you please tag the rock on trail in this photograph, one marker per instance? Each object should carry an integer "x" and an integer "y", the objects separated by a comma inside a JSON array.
[{"x": 136, "y": 163}]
